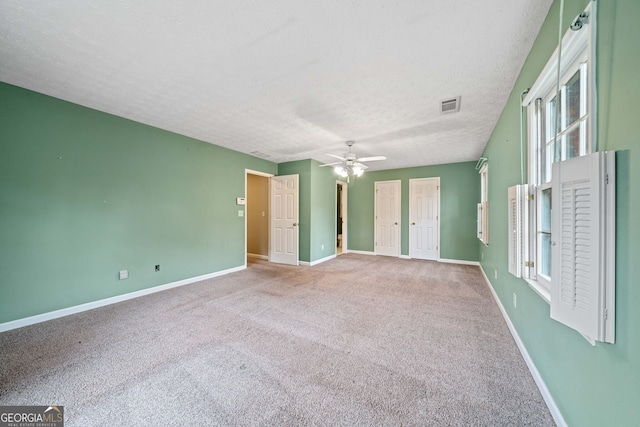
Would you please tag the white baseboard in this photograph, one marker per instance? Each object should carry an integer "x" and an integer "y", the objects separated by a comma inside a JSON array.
[
  {"x": 14, "y": 324},
  {"x": 458, "y": 261},
  {"x": 351, "y": 251},
  {"x": 318, "y": 261},
  {"x": 546, "y": 394},
  {"x": 257, "y": 256},
  {"x": 452, "y": 261}
]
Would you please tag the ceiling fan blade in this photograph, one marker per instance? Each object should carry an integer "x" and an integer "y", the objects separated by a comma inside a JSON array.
[
  {"x": 331, "y": 164},
  {"x": 372, "y": 159},
  {"x": 337, "y": 157},
  {"x": 360, "y": 165}
]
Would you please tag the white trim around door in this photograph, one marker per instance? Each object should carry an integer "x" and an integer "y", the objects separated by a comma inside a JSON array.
[{"x": 266, "y": 175}]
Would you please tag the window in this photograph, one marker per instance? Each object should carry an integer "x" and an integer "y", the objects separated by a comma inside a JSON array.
[
  {"x": 559, "y": 119},
  {"x": 483, "y": 206},
  {"x": 558, "y": 223}
]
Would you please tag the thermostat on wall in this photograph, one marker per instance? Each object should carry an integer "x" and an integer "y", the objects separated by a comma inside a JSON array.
[{"x": 240, "y": 201}]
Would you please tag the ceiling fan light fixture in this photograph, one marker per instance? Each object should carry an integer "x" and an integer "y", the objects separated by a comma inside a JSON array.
[
  {"x": 342, "y": 171},
  {"x": 350, "y": 165}
]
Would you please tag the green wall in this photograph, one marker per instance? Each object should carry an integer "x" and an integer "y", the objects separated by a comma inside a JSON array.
[
  {"x": 84, "y": 194},
  {"x": 592, "y": 386},
  {"x": 459, "y": 196},
  {"x": 317, "y": 208},
  {"x": 323, "y": 211}
]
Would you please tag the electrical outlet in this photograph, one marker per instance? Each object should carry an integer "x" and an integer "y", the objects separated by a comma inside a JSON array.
[
  {"x": 322, "y": 247},
  {"x": 482, "y": 255},
  {"x": 123, "y": 274},
  {"x": 157, "y": 267},
  {"x": 515, "y": 300},
  {"x": 240, "y": 213},
  {"x": 495, "y": 273}
]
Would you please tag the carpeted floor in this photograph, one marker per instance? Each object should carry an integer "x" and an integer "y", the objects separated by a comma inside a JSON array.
[{"x": 358, "y": 340}]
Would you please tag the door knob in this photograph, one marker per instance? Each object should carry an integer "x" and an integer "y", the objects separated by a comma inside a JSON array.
[
  {"x": 413, "y": 223},
  {"x": 395, "y": 223},
  {"x": 295, "y": 223}
]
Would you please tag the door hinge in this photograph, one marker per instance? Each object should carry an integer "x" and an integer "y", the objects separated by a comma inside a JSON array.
[
  {"x": 528, "y": 264},
  {"x": 606, "y": 313},
  {"x": 530, "y": 197},
  {"x": 606, "y": 178}
]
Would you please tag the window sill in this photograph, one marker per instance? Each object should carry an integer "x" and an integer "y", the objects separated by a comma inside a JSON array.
[{"x": 544, "y": 293}]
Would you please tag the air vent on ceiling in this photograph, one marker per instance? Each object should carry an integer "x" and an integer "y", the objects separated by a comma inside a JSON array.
[
  {"x": 451, "y": 105},
  {"x": 260, "y": 154}
]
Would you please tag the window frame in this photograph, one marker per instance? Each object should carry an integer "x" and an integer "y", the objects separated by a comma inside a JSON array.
[
  {"x": 578, "y": 55},
  {"x": 483, "y": 206}
]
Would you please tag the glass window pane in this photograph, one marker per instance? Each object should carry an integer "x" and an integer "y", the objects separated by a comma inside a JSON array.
[
  {"x": 547, "y": 159},
  {"x": 552, "y": 119},
  {"x": 545, "y": 211},
  {"x": 573, "y": 99},
  {"x": 545, "y": 232},
  {"x": 572, "y": 141},
  {"x": 545, "y": 254}
]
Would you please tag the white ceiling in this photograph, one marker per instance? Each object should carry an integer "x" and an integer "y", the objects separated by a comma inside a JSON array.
[{"x": 287, "y": 79}]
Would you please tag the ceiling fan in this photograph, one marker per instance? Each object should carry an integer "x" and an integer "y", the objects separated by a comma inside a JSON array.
[{"x": 350, "y": 164}]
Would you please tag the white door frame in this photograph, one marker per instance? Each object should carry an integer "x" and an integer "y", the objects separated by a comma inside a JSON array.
[
  {"x": 345, "y": 188},
  {"x": 399, "y": 214},
  {"x": 437, "y": 180},
  {"x": 267, "y": 175}
]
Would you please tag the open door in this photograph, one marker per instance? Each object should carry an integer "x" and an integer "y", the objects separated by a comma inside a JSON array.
[{"x": 284, "y": 219}]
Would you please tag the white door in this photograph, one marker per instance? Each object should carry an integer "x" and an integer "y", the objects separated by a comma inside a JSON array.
[
  {"x": 424, "y": 215},
  {"x": 284, "y": 219},
  {"x": 387, "y": 207}
]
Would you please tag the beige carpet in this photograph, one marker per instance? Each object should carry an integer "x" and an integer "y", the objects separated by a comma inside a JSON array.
[{"x": 358, "y": 340}]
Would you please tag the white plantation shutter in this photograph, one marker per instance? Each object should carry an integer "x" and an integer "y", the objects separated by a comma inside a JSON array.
[
  {"x": 582, "y": 291},
  {"x": 517, "y": 220},
  {"x": 515, "y": 236},
  {"x": 483, "y": 206},
  {"x": 485, "y": 222},
  {"x": 479, "y": 219}
]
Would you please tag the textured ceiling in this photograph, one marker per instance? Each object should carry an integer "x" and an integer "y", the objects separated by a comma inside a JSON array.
[{"x": 284, "y": 80}]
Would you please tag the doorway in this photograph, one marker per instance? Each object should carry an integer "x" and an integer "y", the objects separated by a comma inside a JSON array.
[
  {"x": 341, "y": 217},
  {"x": 257, "y": 215},
  {"x": 271, "y": 217}
]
